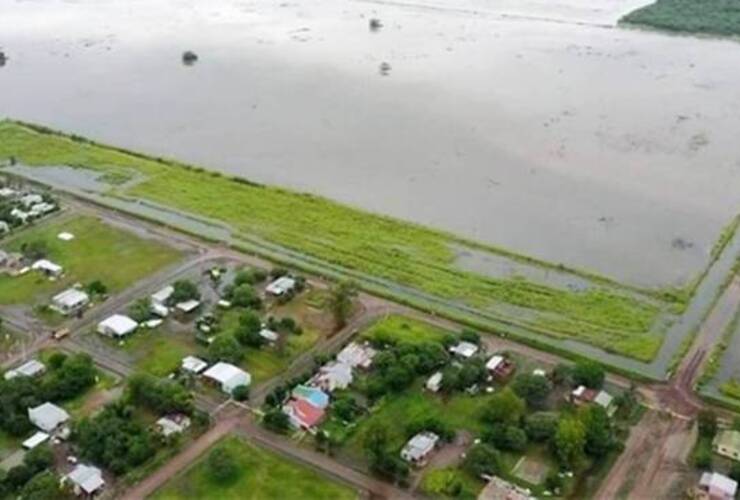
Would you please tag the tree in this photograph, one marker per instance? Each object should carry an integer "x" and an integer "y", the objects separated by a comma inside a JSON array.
[
  {"x": 43, "y": 486},
  {"x": 507, "y": 438},
  {"x": 222, "y": 466},
  {"x": 569, "y": 440},
  {"x": 184, "y": 290},
  {"x": 505, "y": 408},
  {"x": 599, "y": 432},
  {"x": 382, "y": 461},
  {"x": 225, "y": 348},
  {"x": 562, "y": 374},
  {"x": 140, "y": 310},
  {"x": 483, "y": 459},
  {"x": 240, "y": 393},
  {"x": 56, "y": 360},
  {"x": 159, "y": 395},
  {"x": 541, "y": 427},
  {"x": 35, "y": 250},
  {"x": 341, "y": 296},
  {"x": 276, "y": 420},
  {"x": 707, "y": 423},
  {"x": 533, "y": 388},
  {"x": 245, "y": 296},
  {"x": 470, "y": 336},
  {"x": 96, "y": 287},
  {"x": 345, "y": 408},
  {"x": 589, "y": 374}
]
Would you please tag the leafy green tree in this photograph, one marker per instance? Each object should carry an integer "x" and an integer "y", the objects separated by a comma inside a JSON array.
[
  {"x": 505, "y": 407},
  {"x": 341, "y": 297},
  {"x": 346, "y": 408},
  {"x": 599, "y": 432},
  {"x": 589, "y": 374},
  {"x": 470, "y": 336},
  {"x": 483, "y": 459},
  {"x": 43, "y": 486},
  {"x": 96, "y": 287},
  {"x": 276, "y": 420},
  {"x": 225, "y": 348},
  {"x": 140, "y": 310},
  {"x": 222, "y": 466},
  {"x": 569, "y": 440},
  {"x": 245, "y": 296},
  {"x": 240, "y": 393},
  {"x": 541, "y": 427},
  {"x": 707, "y": 423},
  {"x": 184, "y": 290},
  {"x": 533, "y": 388},
  {"x": 159, "y": 395}
]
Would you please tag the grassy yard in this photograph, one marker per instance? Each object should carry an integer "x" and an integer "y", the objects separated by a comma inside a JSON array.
[
  {"x": 159, "y": 352},
  {"x": 98, "y": 252},
  {"x": 713, "y": 17},
  {"x": 403, "y": 329},
  {"x": 262, "y": 475},
  {"x": 611, "y": 316}
]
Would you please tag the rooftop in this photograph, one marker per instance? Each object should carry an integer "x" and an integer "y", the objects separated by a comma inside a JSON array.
[
  {"x": 87, "y": 478},
  {"x": 47, "y": 416},
  {"x": 30, "y": 368},
  {"x": 464, "y": 349}
]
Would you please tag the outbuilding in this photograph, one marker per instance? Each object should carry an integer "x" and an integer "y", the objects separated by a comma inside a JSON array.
[
  {"x": 419, "y": 447},
  {"x": 193, "y": 365},
  {"x": 281, "y": 286},
  {"x": 117, "y": 326},
  {"x": 31, "y": 368},
  {"x": 434, "y": 383},
  {"x": 69, "y": 301},
  {"x": 188, "y": 306},
  {"x": 35, "y": 440},
  {"x": 464, "y": 349},
  {"x": 227, "y": 376},
  {"x": 163, "y": 295},
  {"x": 47, "y": 267}
]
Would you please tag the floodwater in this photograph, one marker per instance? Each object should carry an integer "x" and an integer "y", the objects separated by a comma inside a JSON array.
[{"x": 532, "y": 125}]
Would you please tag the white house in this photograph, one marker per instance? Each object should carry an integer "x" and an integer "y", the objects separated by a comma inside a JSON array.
[
  {"x": 716, "y": 486},
  {"x": 47, "y": 267},
  {"x": 357, "y": 356},
  {"x": 419, "y": 447},
  {"x": 30, "y": 368},
  {"x": 117, "y": 326},
  {"x": 86, "y": 479},
  {"x": 280, "y": 286},
  {"x": 227, "y": 376},
  {"x": 47, "y": 417},
  {"x": 193, "y": 365},
  {"x": 69, "y": 301},
  {"x": 464, "y": 349},
  {"x": 332, "y": 376},
  {"x": 434, "y": 383}
]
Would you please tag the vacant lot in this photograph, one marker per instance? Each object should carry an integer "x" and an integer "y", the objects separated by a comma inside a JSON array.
[
  {"x": 261, "y": 475},
  {"x": 713, "y": 17},
  {"x": 608, "y": 316},
  {"x": 98, "y": 252}
]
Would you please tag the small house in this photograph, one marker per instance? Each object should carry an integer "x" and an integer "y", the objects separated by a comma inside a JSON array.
[
  {"x": 31, "y": 368},
  {"x": 48, "y": 417},
  {"x": 464, "y": 349},
  {"x": 357, "y": 355},
  {"x": 188, "y": 307},
  {"x": 419, "y": 447},
  {"x": 434, "y": 383},
  {"x": 69, "y": 301},
  {"x": 332, "y": 376},
  {"x": 281, "y": 286},
  {"x": 173, "y": 424},
  {"x": 302, "y": 414},
  {"x": 42, "y": 208},
  {"x": 86, "y": 480},
  {"x": 227, "y": 376},
  {"x": 193, "y": 365},
  {"x": 48, "y": 268},
  {"x": 313, "y": 395},
  {"x": 500, "y": 367},
  {"x": 715, "y": 486},
  {"x": 727, "y": 444},
  {"x": 117, "y": 326}
]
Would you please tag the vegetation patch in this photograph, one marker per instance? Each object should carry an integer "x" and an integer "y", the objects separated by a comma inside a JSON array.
[
  {"x": 712, "y": 17},
  {"x": 235, "y": 470}
]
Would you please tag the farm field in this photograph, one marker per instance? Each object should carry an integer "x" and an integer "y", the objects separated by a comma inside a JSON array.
[
  {"x": 261, "y": 475},
  {"x": 606, "y": 315},
  {"x": 98, "y": 252},
  {"x": 714, "y": 17}
]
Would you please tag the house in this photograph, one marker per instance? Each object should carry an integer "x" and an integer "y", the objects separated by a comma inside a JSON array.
[
  {"x": 464, "y": 349},
  {"x": 47, "y": 267},
  {"x": 193, "y": 365},
  {"x": 117, "y": 326},
  {"x": 498, "y": 489},
  {"x": 434, "y": 383},
  {"x": 31, "y": 199},
  {"x": 313, "y": 395},
  {"x": 419, "y": 447},
  {"x": 715, "y": 486},
  {"x": 162, "y": 296},
  {"x": 31, "y": 368},
  {"x": 188, "y": 306},
  {"x": 357, "y": 356},
  {"x": 332, "y": 376},
  {"x": 302, "y": 414},
  {"x": 42, "y": 208},
  {"x": 69, "y": 301},
  {"x": 281, "y": 286},
  {"x": 227, "y": 376},
  {"x": 86, "y": 480},
  {"x": 173, "y": 424},
  {"x": 47, "y": 417},
  {"x": 727, "y": 444},
  {"x": 500, "y": 367},
  {"x": 582, "y": 395},
  {"x": 35, "y": 440},
  {"x": 269, "y": 335}
]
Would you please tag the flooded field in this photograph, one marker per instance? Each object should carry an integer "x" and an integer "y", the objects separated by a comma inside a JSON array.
[{"x": 535, "y": 126}]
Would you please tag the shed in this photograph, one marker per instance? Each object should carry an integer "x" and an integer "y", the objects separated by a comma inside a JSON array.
[
  {"x": 269, "y": 335},
  {"x": 228, "y": 376},
  {"x": 434, "y": 383},
  {"x": 188, "y": 306},
  {"x": 86, "y": 479},
  {"x": 464, "y": 349},
  {"x": 117, "y": 326},
  {"x": 69, "y": 301},
  {"x": 281, "y": 286},
  {"x": 30, "y": 368},
  {"x": 419, "y": 447},
  {"x": 194, "y": 365},
  {"x": 163, "y": 295},
  {"x": 47, "y": 417},
  {"x": 173, "y": 424},
  {"x": 35, "y": 440},
  {"x": 727, "y": 444},
  {"x": 47, "y": 267}
]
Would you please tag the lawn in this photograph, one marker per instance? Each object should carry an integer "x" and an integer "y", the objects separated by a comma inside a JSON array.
[
  {"x": 403, "y": 329},
  {"x": 98, "y": 252},
  {"x": 712, "y": 17},
  {"x": 610, "y": 316},
  {"x": 262, "y": 475},
  {"x": 159, "y": 352}
]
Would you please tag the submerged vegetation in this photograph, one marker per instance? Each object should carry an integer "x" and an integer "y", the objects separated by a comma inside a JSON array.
[
  {"x": 712, "y": 17},
  {"x": 607, "y": 315}
]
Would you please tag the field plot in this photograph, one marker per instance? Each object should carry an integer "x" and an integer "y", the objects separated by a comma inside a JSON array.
[
  {"x": 603, "y": 313},
  {"x": 98, "y": 252},
  {"x": 259, "y": 475},
  {"x": 715, "y": 17}
]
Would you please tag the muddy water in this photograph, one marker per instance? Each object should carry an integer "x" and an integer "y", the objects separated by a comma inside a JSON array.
[{"x": 530, "y": 125}]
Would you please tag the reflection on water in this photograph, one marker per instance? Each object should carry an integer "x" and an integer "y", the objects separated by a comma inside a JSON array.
[{"x": 528, "y": 125}]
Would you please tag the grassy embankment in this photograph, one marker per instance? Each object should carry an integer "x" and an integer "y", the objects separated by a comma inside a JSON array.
[
  {"x": 98, "y": 252},
  {"x": 612, "y": 316},
  {"x": 261, "y": 475},
  {"x": 710, "y": 17}
]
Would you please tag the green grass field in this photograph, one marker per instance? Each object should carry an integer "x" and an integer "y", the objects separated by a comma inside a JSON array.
[
  {"x": 98, "y": 252},
  {"x": 712, "y": 17},
  {"x": 262, "y": 475},
  {"x": 610, "y": 316},
  {"x": 403, "y": 329},
  {"x": 158, "y": 352}
]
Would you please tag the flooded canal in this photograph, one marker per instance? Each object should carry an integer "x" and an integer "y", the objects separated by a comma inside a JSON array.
[{"x": 535, "y": 126}]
